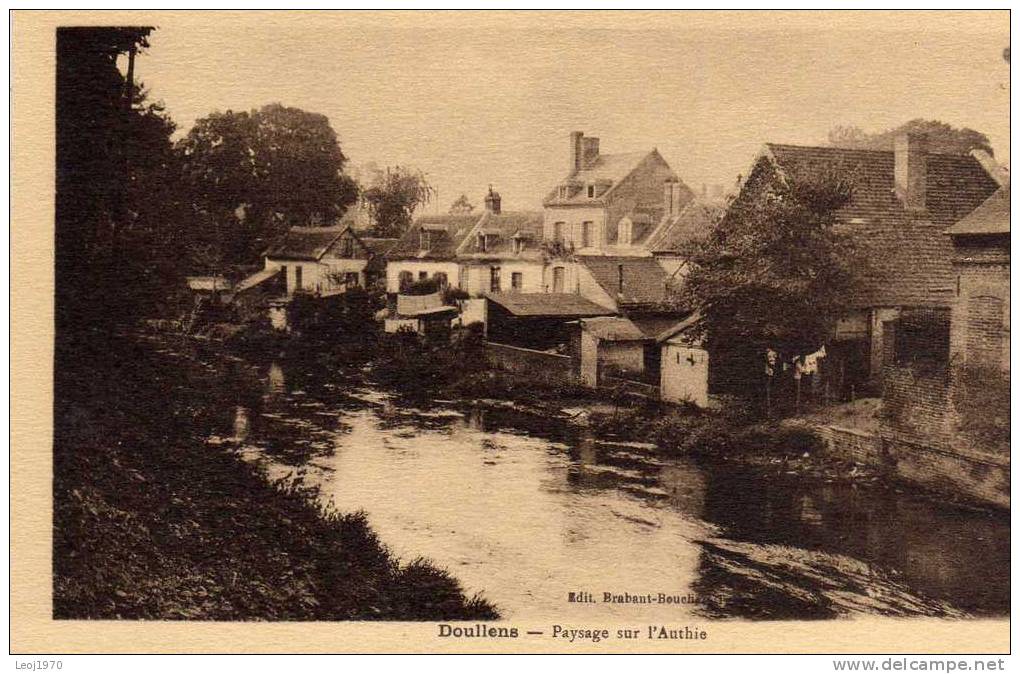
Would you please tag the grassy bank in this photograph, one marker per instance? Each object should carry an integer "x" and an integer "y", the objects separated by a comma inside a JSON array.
[{"x": 152, "y": 523}]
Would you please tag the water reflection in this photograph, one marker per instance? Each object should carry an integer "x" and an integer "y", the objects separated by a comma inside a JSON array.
[{"x": 528, "y": 510}]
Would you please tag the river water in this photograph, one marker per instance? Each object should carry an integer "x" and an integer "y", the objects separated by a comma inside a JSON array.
[{"x": 527, "y": 510}]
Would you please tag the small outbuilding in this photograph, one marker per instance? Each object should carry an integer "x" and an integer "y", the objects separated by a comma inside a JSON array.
[
  {"x": 610, "y": 345},
  {"x": 683, "y": 365}
]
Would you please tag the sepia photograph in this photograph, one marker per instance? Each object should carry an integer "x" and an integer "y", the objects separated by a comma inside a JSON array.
[{"x": 577, "y": 331}]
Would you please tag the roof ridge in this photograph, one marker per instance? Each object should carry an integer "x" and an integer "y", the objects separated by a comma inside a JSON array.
[{"x": 861, "y": 149}]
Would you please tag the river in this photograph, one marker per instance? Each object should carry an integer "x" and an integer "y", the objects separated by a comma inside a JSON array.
[{"x": 527, "y": 510}]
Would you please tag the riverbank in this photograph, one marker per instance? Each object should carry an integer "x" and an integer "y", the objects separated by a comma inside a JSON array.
[{"x": 152, "y": 523}]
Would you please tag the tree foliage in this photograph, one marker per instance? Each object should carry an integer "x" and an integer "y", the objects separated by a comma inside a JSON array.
[
  {"x": 116, "y": 198},
  {"x": 393, "y": 198},
  {"x": 942, "y": 138},
  {"x": 776, "y": 272},
  {"x": 251, "y": 175},
  {"x": 461, "y": 206}
]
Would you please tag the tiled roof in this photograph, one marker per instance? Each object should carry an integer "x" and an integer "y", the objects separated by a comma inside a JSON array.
[
  {"x": 608, "y": 168},
  {"x": 613, "y": 328},
  {"x": 501, "y": 230},
  {"x": 910, "y": 257},
  {"x": 305, "y": 243},
  {"x": 548, "y": 304},
  {"x": 378, "y": 246},
  {"x": 692, "y": 223},
  {"x": 991, "y": 217},
  {"x": 644, "y": 280},
  {"x": 447, "y": 232}
]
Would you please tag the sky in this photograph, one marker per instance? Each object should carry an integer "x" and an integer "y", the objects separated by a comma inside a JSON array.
[{"x": 479, "y": 98}]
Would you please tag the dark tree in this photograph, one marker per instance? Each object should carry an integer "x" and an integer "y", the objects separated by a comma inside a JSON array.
[
  {"x": 116, "y": 196},
  {"x": 393, "y": 199},
  {"x": 251, "y": 175},
  {"x": 776, "y": 272},
  {"x": 942, "y": 137}
]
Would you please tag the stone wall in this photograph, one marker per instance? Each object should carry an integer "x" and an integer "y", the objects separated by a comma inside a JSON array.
[{"x": 549, "y": 367}]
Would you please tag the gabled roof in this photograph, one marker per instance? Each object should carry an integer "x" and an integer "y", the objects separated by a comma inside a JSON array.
[
  {"x": 607, "y": 169},
  {"x": 614, "y": 329},
  {"x": 548, "y": 304},
  {"x": 644, "y": 280},
  {"x": 305, "y": 243},
  {"x": 991, "y": 217},
  {"x": 957, "y": 184},
  {"x": 447, "y": 232},
  {"x": 501, "y": 229},
  {"x": 910, "y": 257},
  {"x": 692, "y": 223}
]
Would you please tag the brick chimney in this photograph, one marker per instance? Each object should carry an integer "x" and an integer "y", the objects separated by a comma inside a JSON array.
[
  {"x": 576, "y": 151},
  {"x": 589, "y": 151},
  {"x": 493, "y": 201},
  {"x": 911, "y": 169}
]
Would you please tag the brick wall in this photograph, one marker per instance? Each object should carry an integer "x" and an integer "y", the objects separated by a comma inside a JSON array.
[{"x": 921, "y": 438}]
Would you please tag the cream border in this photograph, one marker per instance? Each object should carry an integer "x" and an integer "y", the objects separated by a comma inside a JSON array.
[{"x": 33, "y": 630}]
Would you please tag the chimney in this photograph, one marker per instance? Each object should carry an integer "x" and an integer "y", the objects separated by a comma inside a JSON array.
[
  {"x": 576, "y": 140},
  {"x": 911, "y": 169},
  {"x": 492, "y": 201},
  {"x": 589, "y": 151},
  {"x": 673, "y": 196}
]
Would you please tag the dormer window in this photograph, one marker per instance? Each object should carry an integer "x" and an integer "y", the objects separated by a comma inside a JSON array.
[
  {"x": 483, "y": 243},
  {"x": 564, "y": 192},
  {"x": 591, "y": 191},
  {"x": 518, "y": 245},
  {"x": 425, "y": 239}
]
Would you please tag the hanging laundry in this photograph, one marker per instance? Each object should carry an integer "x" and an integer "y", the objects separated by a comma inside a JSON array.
[
  {"x": 798, "y": 366},
  {"x": 771, "y": 357},
  {"x": 811, "y": 361}
]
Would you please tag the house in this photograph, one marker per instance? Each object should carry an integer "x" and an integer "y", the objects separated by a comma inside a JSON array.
[
  {"x": 608, "y": 346},
  {"x": 902, "y": 203},
  {"x": 946, "y": 391},
  {"x": 324, "y": 260},
  {"x": 607, "y": 204},
  {"x": 428, "y": 250},
  {"x": 503, "y": 252}
]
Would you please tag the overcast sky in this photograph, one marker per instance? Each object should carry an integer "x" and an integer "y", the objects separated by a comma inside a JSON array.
[{"x": 475, "y": 98}]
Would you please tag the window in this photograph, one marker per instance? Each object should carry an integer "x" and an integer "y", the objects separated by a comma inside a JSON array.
[
  {"x": 441, "y": 280},
  {"x": 494, "y": 279},
  {"x": 623, "y": 237},
  {"x": 559, "y": 274},
  {"x": 351, "y": 279},
  {"x": 591, "y": 191},
  {"x": 586, "y": 234},
  {"x": 347, "y": 247},
  {"x": 406, "y": 279},
  {"x": 297, "y": 277},
  {"x": 424, "y": 240},
  {"x": 517, "y": 281},
  {"x": 619, "y": 278},
  {"x": 483, "y": 242},
  {"x": 423, "y": 276},
  {"x": 558, "y": 232},
  {"x": 519, "y": 244}
]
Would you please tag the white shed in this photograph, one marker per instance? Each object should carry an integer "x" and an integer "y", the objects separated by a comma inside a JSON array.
[{"x": 684, "y": 365}]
